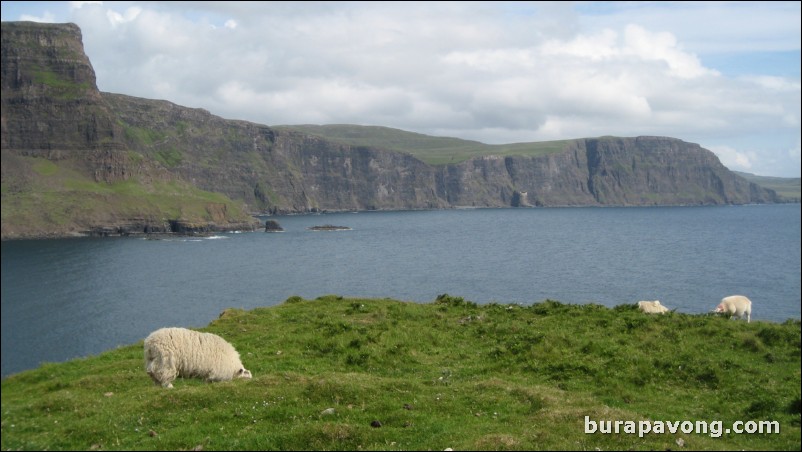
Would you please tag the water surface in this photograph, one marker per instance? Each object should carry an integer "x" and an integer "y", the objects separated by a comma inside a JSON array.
[{"x": 76, "y": 297}]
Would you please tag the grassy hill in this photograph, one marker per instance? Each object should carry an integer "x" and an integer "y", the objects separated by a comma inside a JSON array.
[
  {"x": 788, "y": 188},
  {"x": 378, "y": 374},
  {"x": 44, "y": 198},
  {"x": 429, "y": 149}
]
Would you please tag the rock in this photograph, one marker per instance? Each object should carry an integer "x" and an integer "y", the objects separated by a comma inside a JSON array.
[
  {"x": 329, "y": 227},
  {"x": 273, "y": 226}
]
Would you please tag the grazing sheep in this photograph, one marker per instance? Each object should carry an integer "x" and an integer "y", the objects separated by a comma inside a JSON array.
[
  {"x": 174, "y": 352},
  {"x": 652, "y": 307},
  {"x": 736, "y": 305}
]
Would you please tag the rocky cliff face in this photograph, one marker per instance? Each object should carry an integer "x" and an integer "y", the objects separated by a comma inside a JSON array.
[
  {"x": 272, "y": 170},
  {"x": 278, "y": 170},
  {"x": 51, "y": 105},
  {"x": 65, "y": 167},
  {"x": 602, "y": 171},
  {"x": 52, "y": 112}
]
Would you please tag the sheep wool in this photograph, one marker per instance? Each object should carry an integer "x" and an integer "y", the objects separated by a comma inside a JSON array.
[{"x": 181, "y": 352}]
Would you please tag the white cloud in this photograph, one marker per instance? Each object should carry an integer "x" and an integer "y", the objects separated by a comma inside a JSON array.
[
  {"x": 732, "y": 158},
  {"x": 80, "y": 4},
  {"x": 662, "y": 46},
  {"x": 46, "y": 17},
  {"x": 796, "y": 153},
  {"x": 128, "y": 15},
  {"x": 595, "y": 47},
  {"x": 779, "y": 84}
]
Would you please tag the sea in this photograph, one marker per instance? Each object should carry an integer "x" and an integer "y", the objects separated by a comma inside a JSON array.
[{"x": 71, "y": 298}]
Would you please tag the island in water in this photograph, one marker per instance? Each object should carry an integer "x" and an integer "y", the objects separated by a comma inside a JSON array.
[{"x": 329, "y": 227}]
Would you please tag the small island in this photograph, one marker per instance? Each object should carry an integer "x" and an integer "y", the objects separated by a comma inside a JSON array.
[{"x": 329, "y": 227}]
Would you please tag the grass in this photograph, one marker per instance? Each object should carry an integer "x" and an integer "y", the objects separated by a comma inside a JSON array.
[
  {"x": 429, "y": 149},
  {"x": 67, "y": 199},
  {"x": 62, "y": 88},
  {"x": 788, "y": 188},
  {"x": 339, "y": 373},
  {"x": 145, "y": 137}
]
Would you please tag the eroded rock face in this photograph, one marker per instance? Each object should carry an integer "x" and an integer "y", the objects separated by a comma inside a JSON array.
[{"x": 51, "y": 104}]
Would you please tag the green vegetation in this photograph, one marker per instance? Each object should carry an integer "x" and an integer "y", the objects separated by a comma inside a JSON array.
[
  {"x": 169, "y": 157},
  {"x": 64, "y": 200},
  {"x": 429, "y": 149},
  {"x": 63, "y": 89},
  {"x": 143, "y": 136},
  {"x": 348, "y": 374},
  {"x": 44, "y": 167}
]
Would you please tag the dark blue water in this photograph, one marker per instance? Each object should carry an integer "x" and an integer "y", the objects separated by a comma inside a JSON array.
[{"x": 76, "y": 297}]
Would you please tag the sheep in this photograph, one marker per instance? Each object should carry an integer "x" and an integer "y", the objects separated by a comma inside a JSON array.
[
  {"x": 652, "y": 307},
  {"x": 174, "y": 352},
  {"x": 737, "y": 305}
]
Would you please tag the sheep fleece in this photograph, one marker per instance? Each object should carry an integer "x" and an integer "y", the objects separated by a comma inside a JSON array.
[
  {"x": 736, "y": 305},
  {"x": 174, "y": 352},
  {"x": 652, "y": 307}
]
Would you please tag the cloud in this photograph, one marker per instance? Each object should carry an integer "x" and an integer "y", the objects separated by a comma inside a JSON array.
[
  {"x": 46, "y": 17},
  {"x": 731, "y": 158},
  {"x": 662, "y": 46},
  {"x": 79, "y": 4},
  {"x": 128, "y": 15},
  {"x": 795, "y": 153}
]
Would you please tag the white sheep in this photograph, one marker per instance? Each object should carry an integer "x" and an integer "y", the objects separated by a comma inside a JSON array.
[
  {"x": 736, "y": 305},
  {"x": 652, "y": 307},
  {"x": 174, "y": 352}
]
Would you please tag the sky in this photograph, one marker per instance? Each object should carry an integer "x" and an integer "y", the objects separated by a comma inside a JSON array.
[{"x": 725, "y": 75}]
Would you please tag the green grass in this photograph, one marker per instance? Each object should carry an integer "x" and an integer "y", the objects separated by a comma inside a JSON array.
[
  {"x": 143, "y": 136},
  {"x": 43, "y": 167},
  {"x": 65, "y": 198},
  {"x": 787, "y": 187},
  {"x": 169, "y": 157},
  {"x": 444, "y": 374},
  {"x": 431, "y": 150},
  {"x": 63, "y": 89}
]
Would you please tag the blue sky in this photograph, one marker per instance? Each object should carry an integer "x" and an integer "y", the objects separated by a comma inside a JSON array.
[{"x": 725, "y": 75}]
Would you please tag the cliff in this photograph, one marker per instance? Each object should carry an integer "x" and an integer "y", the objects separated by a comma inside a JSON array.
[
  {"x": 66, "y": 169},
  {"x": 286, "y": 170},
  {"x": 603, "y": 171},
  {"x": 76, "y": 161}
]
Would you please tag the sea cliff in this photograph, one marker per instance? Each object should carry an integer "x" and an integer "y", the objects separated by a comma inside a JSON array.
[{"x": 78, "y": 161}]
